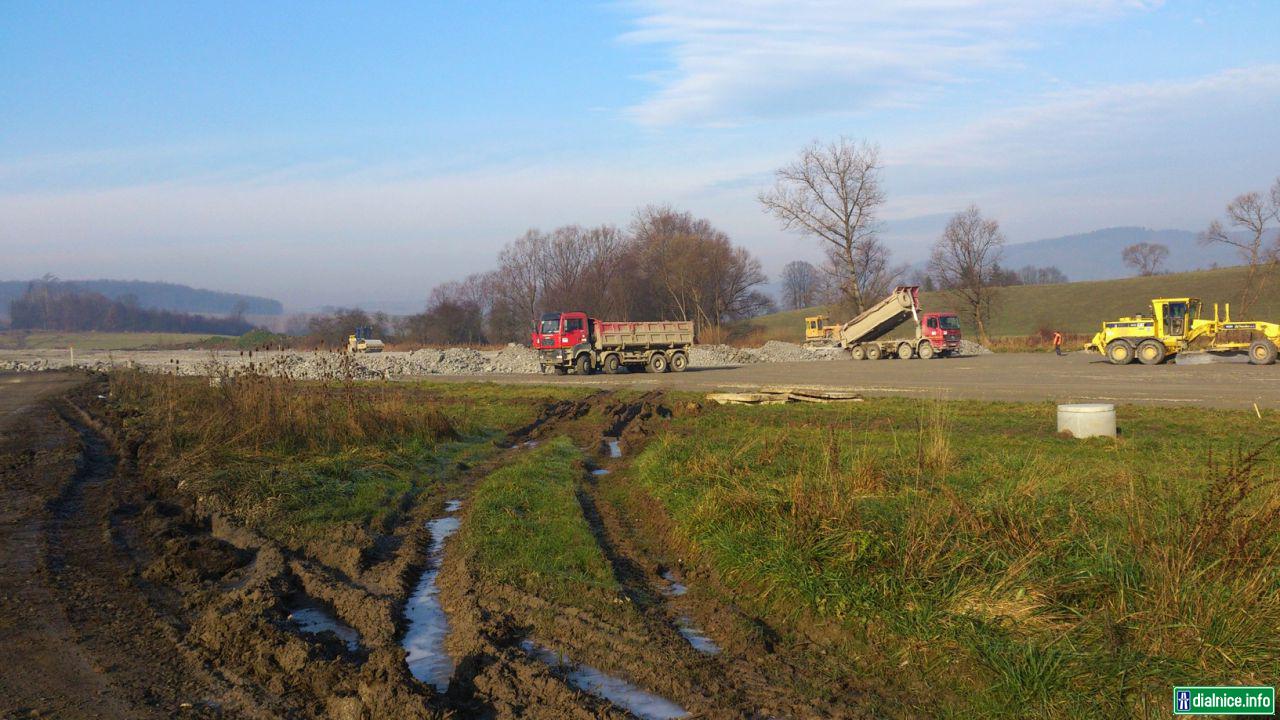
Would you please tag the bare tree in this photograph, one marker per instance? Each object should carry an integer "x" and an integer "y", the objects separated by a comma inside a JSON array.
[
  {"x": 800, "y": 285},
  {"x": 833, "y": 192},
  {"x": 1145, "y": 258},
  {"x": 966, "y": 260},
  {"x": 1047, "y": 275},
  {"x": 693, "y": 268},
  {"x": 1251, "y": 214}
]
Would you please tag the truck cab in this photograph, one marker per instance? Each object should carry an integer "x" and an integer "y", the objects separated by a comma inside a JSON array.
[
  {"x": 561, "y": 331},
  {"x": 942, "y": 330}
]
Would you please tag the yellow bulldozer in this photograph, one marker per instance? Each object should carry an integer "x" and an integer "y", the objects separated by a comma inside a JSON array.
[{"x": 1175, "y": 325}]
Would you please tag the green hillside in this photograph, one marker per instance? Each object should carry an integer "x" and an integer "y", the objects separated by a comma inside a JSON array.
[{"x": 1078, "y": 307}]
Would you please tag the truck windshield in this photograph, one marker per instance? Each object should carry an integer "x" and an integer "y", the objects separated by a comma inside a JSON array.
[
  {"x": 950, "y": 322},
  {"x": 550, "y": 326}
]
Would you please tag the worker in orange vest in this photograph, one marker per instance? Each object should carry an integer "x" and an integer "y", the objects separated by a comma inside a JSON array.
[{"x": 1057, "y": 342}]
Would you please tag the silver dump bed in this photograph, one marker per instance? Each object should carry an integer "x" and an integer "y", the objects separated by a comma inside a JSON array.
[{"x": 883, "y": 317}]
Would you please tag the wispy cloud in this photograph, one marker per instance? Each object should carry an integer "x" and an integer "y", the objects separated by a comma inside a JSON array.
[
  {"x": 1080, "y": 125},
  {"x": 734, "y": 62}
]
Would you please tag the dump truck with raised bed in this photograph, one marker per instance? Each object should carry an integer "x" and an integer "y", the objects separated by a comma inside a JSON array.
[
  {"x": 936, "y": 334},
  {"x": 1175, "y": 326},
  {"x": 573, "y": 341}
]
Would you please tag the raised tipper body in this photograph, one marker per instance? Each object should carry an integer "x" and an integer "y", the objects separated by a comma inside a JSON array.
[{"x": 937, "y": 334}]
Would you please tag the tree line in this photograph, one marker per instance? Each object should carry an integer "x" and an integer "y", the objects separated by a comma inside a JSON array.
[
  {"x": 833, "y": 193},
  {"x": 665, "y": 264},
  {"x": 51, "y": 305}
]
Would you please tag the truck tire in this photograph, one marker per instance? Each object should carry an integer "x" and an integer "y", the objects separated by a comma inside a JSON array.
[
  {"x": 657, "y": 363},
  {"x": 679, "y": 362},
  {"x": 906, "y": 352},
  {"x": 583, "y": 364},
  {"x": 1151, "y": 352},
  {"x": 1262, "y": 352},
  {"x": 858, "y": 353},
  {"x": 1119, "y": 352},
  {"x": 611, "y": 364},
  {"x": 873, "y": 352},
  {"x": 926, "y": 350}
]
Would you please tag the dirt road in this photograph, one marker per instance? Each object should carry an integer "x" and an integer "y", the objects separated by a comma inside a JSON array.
[{"x": 1008, "y": 376}]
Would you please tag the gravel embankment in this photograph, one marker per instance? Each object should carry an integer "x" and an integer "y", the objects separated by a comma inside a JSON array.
[{"x": 512, "y": 359}]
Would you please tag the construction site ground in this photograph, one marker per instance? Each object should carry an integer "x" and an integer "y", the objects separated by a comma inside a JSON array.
[
  {"x": 1076, "y": 377},
  {"x": 1211, "y": 381}
]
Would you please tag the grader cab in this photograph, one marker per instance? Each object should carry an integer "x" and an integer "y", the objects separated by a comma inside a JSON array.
[{"x": 1174, "y": 325}]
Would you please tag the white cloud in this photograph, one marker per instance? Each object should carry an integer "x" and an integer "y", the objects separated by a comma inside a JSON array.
[{"x": 753, "y": 59}]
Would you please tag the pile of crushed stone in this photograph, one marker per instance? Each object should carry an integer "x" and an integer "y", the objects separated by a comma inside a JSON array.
[
  {"x": 969, "y": 347},
  {"x": 512, "y": 359},
  {"x": 772, "y": 351}
]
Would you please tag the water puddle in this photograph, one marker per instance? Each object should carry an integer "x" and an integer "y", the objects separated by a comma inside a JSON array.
[
  {"x": 600, "y": 471},
  {"x": 615, "y": 450},
  {"x": 529, "y": 444},
  {"x": 642, "y": 704},
  {"x": 314, "y": 619},
  {"x": 698, "y": 639},
  {"x": 428, "y": 626},
  {"x": 674, "y": 588}
]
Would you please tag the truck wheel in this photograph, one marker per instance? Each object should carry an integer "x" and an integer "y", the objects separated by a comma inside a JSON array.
[
  {"x": 1151, "y": 352},
  {"x": 1119, "y": 352},
  {"x": 657, "y": 363},
  {"x": 873, "y": 352},
  {"x": 560, "y": 370},
  {"x": 926, "y": 350},
  {"x": 611, "y": 364},
  {"x": 679, "y": 362},
  {"x": 583, "y": 364},
  {"x": 858, "y": 352},
  {"x": 906, "y": 352},
  {"x": 1262, "y": 352}
]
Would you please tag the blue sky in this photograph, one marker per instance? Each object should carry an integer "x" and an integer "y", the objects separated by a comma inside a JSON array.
[{"x": 328, "y": 153}]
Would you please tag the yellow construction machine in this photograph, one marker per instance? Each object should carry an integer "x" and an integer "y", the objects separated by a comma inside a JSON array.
[
  {"x": 818, "y": 332},
  {"x": 361, "y": 341},
  {"x": 1174, "y": 325}
]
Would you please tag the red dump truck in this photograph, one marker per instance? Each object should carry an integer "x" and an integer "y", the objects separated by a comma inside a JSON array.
[{"x": 573, "y": 341}]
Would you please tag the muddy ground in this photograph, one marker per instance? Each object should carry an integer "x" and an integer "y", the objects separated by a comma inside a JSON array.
[{"x": 122, "y": 597}]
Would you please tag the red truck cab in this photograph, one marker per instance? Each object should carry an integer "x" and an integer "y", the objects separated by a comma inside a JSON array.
[
  {"x": 557, "y": 331},
  {"x": 942, "y": 330}
]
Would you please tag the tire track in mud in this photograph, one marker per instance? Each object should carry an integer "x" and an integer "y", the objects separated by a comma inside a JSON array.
[
  {"x": 133, "y": 647},
  {"x": 749, "y": 676}
]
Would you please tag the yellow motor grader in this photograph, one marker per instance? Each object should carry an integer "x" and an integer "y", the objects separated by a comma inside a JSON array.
[{"x": 1174, "y": 325}]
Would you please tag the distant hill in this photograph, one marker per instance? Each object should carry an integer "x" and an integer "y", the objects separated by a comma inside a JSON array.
[
  {"x": 1096, "y": 255},
  {"x": 158, "y": 296},
  {"x": 1076, "y": 307}
]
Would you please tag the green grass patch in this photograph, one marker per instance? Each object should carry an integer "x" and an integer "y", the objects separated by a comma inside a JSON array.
[
  {"x": 1004, "y": 570},
  {"x": 293, "y": 459},
  {"x": 526, "y": 529}
]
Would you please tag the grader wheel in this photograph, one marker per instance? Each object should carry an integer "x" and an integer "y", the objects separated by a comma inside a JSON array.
[
  {"x": 1151, "y": 352},
  {"x": 1119, "y": 352},
  {"x": 1262, "y": 352}
]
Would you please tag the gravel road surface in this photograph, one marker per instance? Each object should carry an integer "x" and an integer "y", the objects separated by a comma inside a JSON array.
[{"x": 1076, "y": 377}]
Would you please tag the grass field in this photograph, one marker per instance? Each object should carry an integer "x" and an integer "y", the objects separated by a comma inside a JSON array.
[
  {"x": 526, "y": 529},
  {"x": 23, "y": 340},
  {"x": 294, "y": 458},
  {"x": 963, "y": 554},
  {"x": 959, "y": 558},
  {"x": 1079, "y": 307}
]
